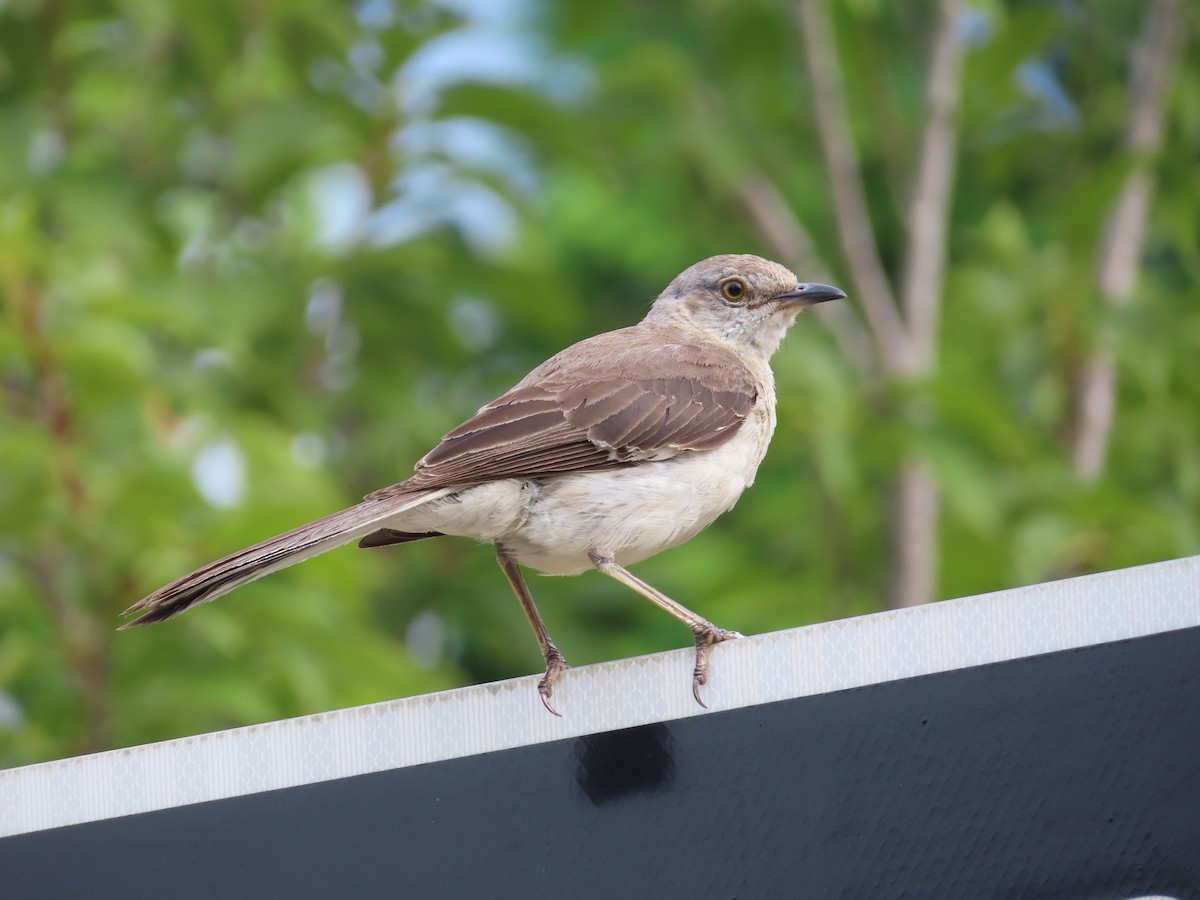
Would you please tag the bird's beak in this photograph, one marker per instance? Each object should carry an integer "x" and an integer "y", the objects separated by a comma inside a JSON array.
[{"x": 810, "y": 295}]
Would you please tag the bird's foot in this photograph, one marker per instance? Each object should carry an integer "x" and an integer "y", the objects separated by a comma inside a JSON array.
[
  {"x": 556, "y": 664},
  {"x": 707, "y": 635}
]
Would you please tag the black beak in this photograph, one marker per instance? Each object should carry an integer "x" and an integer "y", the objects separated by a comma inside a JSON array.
[{"x": 810, "y": 294}]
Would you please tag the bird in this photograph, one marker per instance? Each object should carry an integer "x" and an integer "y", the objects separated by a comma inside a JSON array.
[{"x": 619, "y": 447}]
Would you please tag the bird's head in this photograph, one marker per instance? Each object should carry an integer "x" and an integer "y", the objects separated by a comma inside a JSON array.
[{"x": 745, "y": 300}]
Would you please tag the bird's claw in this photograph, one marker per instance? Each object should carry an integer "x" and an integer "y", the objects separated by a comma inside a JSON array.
[
  {"x": 706, "y": 636},
  {"x": 556, "y": 664}
]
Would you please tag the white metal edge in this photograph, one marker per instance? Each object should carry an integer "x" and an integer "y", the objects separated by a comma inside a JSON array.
[{"x": 800, "y": 662}]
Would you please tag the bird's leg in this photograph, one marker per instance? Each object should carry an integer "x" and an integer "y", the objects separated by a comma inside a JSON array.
[
  {"x": 705, "y": 631},
  {"x": 556, "y": 664}
]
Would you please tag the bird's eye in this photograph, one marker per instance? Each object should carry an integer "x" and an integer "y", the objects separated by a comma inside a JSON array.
[{"x": 734, "y": 291}]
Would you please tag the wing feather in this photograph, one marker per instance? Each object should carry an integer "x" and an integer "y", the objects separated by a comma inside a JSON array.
[{"x": 637, "y": 393}]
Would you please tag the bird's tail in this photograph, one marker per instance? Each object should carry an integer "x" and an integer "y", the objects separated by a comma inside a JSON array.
[{"x": 220, "y": 577}]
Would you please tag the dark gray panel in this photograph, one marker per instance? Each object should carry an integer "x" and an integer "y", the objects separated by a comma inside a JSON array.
[{"x": 1069, "y": 775}]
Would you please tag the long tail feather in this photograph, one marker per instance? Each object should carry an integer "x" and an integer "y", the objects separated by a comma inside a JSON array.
[{"x": 219, "y": 578}]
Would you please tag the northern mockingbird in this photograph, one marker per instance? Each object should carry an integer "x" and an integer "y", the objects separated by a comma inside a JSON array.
[{"x": 618, "y": 448}]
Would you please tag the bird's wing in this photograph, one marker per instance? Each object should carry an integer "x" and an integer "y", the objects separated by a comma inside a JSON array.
[{"x": 606, "y": 402}]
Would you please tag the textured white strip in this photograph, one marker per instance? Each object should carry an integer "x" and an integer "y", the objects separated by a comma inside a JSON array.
[{"x": 796, "y": 663}]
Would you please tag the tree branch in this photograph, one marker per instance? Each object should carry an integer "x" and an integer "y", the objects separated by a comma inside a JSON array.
[
  {"x": 841, "y": 160},
  {"x": 786, "y": 234},
  {"x": 1154, "y": 58},
  {"x": 917, "y": 502},
  {"x": 916, "y": 511},
  {"x": 929, "y": 210}
]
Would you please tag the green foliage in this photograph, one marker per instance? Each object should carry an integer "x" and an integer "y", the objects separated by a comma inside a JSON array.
[{"x": 177, "y": 285}]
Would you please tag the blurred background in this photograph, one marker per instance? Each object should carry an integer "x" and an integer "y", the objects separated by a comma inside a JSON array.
[{"x": 257, "y": 257}]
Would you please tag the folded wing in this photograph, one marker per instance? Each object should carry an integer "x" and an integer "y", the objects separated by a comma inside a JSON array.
[{"x": 615, "y": 399}]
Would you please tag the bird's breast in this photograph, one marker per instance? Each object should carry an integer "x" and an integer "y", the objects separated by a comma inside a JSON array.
[{"x": 635, "y": 512}]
